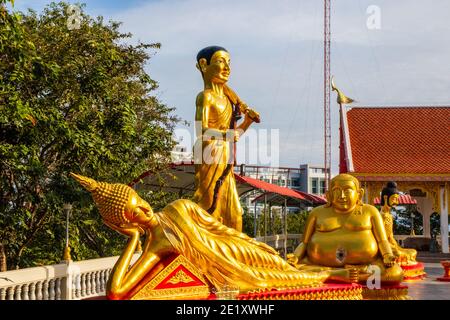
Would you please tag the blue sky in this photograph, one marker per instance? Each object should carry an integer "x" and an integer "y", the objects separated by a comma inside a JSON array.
[{"x": 276, "y": 51}]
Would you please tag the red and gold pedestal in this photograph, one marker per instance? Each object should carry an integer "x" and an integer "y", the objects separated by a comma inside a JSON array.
[
  {"x": 177, "y": 278},
  {"x": 386, "y": 292},
  {"x": 413, "y": 272},
  {"x": 446, "y": 277}
]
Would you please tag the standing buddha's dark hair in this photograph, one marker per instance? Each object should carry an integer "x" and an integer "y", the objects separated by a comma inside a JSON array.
[
  {"x": 389, "y": 190},
  {"x": 208, "y": 52}
]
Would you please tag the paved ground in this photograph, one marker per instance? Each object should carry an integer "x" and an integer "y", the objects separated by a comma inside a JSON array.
[{"x": 430, "y": 288}]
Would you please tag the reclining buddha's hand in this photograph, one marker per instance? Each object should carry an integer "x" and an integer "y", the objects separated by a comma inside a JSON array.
[
  {"x": 292, "y": 259},
  {"x": 389, "y": 260},
  {"x": 129, "y": 230}
]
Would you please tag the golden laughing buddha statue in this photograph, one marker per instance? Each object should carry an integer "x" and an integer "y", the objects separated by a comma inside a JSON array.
[{"x": 345, "y": 233}]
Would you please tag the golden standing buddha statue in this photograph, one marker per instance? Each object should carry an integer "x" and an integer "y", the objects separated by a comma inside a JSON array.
[
  {"x": 345, "y": 233},
  {"x": 217, "y": 109},
  {"x": 224, "y": 255},
  {"x": 389, "y": 199}
]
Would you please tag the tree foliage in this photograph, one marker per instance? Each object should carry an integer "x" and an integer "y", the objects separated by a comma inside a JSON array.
[
  {"x": 71, "y": 101},
  {"x": 274, "y": 223},
  {"x": 403, "y": 220}
]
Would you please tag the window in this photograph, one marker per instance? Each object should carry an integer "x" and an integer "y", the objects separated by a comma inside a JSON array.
[
  {"x": 295, "y": 182},
  {"x": 322, "y": 186},
  {"x": 314, "y": 186}
]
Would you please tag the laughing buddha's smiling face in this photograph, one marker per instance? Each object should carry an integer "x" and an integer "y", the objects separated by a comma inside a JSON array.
[{"x": 344, "y": 195}]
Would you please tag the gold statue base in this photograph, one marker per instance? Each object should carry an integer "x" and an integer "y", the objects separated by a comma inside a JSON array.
[
  {"x": 394, "y": 292},
  {"x": 178, "y": 279}
]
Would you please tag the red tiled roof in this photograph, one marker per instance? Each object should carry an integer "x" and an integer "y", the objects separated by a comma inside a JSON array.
[
  {"x": 409, "y": 140},
  {"x": 258, "y": 184}
]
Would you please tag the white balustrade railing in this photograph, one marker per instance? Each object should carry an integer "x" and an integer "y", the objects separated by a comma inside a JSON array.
[{"x": 65, "y": 281}]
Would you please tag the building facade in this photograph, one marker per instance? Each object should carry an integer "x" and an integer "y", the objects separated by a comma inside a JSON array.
[
  {"x": 306, "y": 178},
  {"x": 408, "y": 145}
]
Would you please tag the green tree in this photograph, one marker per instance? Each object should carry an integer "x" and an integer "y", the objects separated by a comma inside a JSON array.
[
  {"x": 71, "y": 99},
  {"x": 402, "y": 220},
  {"x": 275, "y": 225},
  {"x": 248, "y": 222},
  {"x": 296, "y": 222}
]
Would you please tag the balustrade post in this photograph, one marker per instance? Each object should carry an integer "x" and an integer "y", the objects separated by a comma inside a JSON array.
[
  {"x": 51, "y": 289},
  {"x": 32, "y": 290},
  {"x": 17, "y": 293},
  {"x": 88, "y": 284},
  {"x": 10, "y": 293},
  {"x": 67, "y": 282},
  {"x": 25, "y": 291},
  {"x": 39, "y": 290},
  {"x": 83, "y": 284},
  {"x": 98, "y": 287},
  {"x": 78, "y": 285},
  {"x": 45, "y": 290},
  {"x": 58, "y": 282}
]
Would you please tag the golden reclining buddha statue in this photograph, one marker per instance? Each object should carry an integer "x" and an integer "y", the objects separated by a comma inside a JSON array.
[
  {"x": 346, "y": 234},
  {"x": 224, "y": 255}
]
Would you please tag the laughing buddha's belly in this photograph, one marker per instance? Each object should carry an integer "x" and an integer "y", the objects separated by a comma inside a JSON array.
[{"x": 340, "y": 247}]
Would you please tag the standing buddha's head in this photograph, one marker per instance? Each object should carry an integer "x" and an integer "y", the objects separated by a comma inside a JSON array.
[
  {"x": 389, "y": 195},
  {"x": 214, "y": 64}
]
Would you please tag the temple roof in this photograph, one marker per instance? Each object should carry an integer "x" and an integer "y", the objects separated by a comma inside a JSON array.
[{"x": 396, "y": 140}]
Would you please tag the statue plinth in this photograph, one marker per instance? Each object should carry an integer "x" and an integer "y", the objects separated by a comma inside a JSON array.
[{"x": 446, "y": 277}]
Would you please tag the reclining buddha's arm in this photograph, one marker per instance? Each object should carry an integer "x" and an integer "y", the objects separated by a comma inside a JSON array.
[{"x": 123, "y": 278}]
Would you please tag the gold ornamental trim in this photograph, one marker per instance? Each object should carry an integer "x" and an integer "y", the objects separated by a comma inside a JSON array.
[
  {"x": 172, "y": 293},
  {"x": 386, "y": 294},
  {"x": 180, "y": 276},
  {"x": 326, "y": 294}
]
